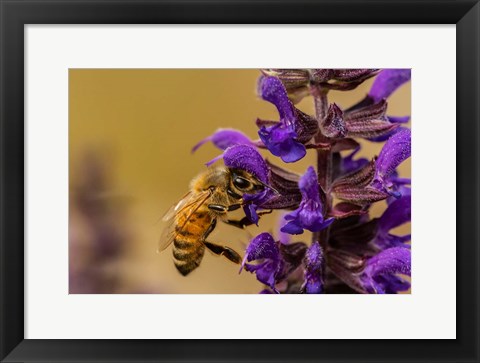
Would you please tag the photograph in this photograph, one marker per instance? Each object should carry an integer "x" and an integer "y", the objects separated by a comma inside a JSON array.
[{"x": 239, "y": 181}]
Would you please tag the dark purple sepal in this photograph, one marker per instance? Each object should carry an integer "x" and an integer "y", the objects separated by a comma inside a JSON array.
[
  {"x": 341, "y": 79},
  {"x": 333, "y": 125},
  {"x": 354, "y": 187},
  {"x": 347, "y": 267},
  {"x": 354, "y": 235},
  {"x": 344, "y": 144},
  {"x": 306, "y": 126},
  {"x": 374, "y": 111},
  {"x": 369, "y": 121},
  {"x": 321, "y": 75},
  {"x": 387, "y": 135},
  {"x": 291, "y": 78},
  {"x": 354, "y": 75},
  {"x": 286, "y": 183},
  {"x": 345, "y": 209},
  {"x": 292, "y": 255},
  {"x": 357, "y": 178}
]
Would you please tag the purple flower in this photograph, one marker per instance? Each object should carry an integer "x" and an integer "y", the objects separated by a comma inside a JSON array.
[
  {"x": 286, "y": 138},
  {"x": 387, "y": 82},
  {"x": 224, "y": 138},
  {"x": 394, "y": 152},
  {"x": 313, "y": 269},
  {"x": 263, "y": 247},
  {"x": 349, "y": 165},
  {"x": 397, "y": 213},
  {"x": 359, "y": 254},
  {"x": 379, "y": 274},
  {"x": 277, "y": 261},
  {"x": 309, "y": 214},
  {"x": 280, "y": 139}
]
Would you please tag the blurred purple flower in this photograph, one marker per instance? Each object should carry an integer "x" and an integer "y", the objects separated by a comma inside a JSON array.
[
  {"x": 349, "y": 165},
  {"x": 379, "y": 274},
  {"x": 309, "y": 213},
  {"x": 313, "y": 269},
  {"x": 397, "y": 213},
  {"x": 387, "y": 82}
]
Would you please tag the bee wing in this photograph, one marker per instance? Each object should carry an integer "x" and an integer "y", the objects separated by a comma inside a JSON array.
[
  {"x": 187, "y": 205},
  {"x": 172, "y": 211}
]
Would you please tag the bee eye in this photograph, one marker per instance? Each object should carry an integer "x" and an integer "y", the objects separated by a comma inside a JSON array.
[{"x": 241, "y": 183}]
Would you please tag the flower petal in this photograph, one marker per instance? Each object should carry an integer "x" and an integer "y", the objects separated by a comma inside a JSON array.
[
  {"x": 397, "y": 213},
  {"x": 247, "y": 158},
  {"x": 224, "y": 138},
  {"x": 280, "y": 141},
  {"x": 396, "y": 260},
  {"x": 349, "y": 165},
  {"x": 262, "y": 246},
  {"x": 395, "y": 151},
  {"x": 313, "y": 269},
  {"x": 399, "y": 119},
  {"x": 309, "y": 214},
  {"x": 272, "y": 90},
  {"x": 387, "y": 82}
]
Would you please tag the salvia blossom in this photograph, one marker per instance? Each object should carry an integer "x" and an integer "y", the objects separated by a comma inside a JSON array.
[
  {"x": 313, "y": 269},
  {"x": 309, "y": 214},
  {"x": 287, "y": 137},
  {"x": 277, "y": 260},
  {"x": 350, "y": 251}
]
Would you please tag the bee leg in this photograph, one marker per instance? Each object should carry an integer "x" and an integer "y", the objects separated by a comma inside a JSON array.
[
  {"x": 239, "y": 223},
  {"x": 244, "y": 222},
  {"x": 218, "y": 207},
  {"x": 223, "y": 208},
  {"x": 223, "y": 251}
]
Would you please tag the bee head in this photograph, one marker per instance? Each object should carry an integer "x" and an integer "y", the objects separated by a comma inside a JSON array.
[{"x": 242, "y": 182}]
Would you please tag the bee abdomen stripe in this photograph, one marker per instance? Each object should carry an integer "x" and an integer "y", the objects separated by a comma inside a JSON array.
[
  {"x": 183, "y": 231},
  {"x": 183, "y": 244},
  {"x": 182, "y": 255}
]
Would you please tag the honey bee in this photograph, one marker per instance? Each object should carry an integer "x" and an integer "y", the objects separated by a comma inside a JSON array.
[{"x": 212, "y": 195}]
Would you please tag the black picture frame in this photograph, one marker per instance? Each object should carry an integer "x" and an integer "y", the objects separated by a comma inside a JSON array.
[{"x": 16, "y": 13}]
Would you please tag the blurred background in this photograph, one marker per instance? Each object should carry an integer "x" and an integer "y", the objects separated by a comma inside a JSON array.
[{"x": 131, "y": 132}]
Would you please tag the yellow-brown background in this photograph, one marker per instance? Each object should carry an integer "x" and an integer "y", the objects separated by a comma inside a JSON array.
[{"x": 139, "y": 127}]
